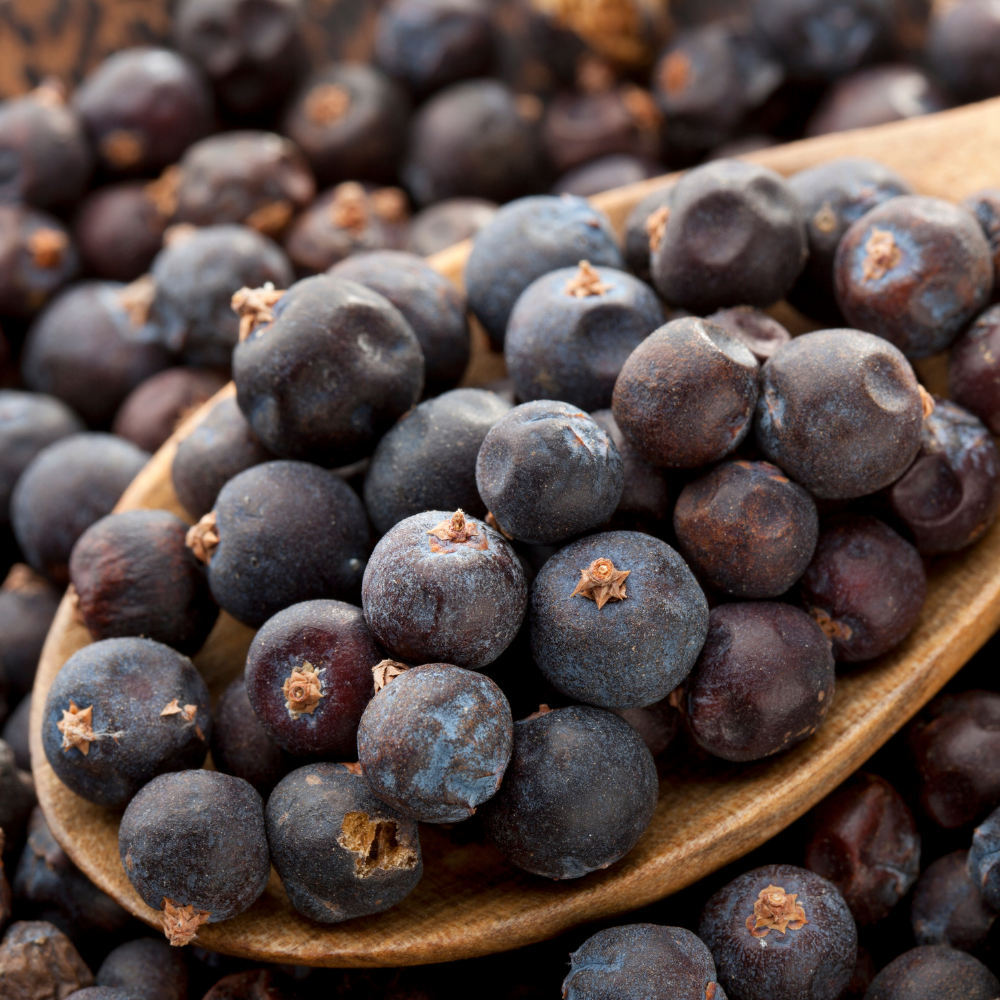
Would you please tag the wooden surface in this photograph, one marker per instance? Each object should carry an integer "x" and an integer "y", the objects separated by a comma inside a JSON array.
[{"x": 470, "y": 902}]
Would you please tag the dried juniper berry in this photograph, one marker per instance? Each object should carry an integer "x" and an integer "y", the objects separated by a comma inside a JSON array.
[
  {"x": 85, "y": 350},
  {"x": 780, "y": 931},
  {"x": 734, "y": 236},
  {"x": 562, "y": 815},
  {"x": 193, "y": 845},
  {"x": 28, "y": 604},
  {"x": 326, "y": 371},
  {"x": 37, "y": 257},
  {"x": 984, "y": 859},
  {"x": 151, "y": 412},
  {"x": 686, "y": 394},
  {"x": 134, "y": 575},
  {"x": 120, "y": 712},
  {"x": 255, "y": 984},
  {"x": 833, "y": 196},
  {"x": 193, "y": 281},
  {"x": 763, "y": 334},
  {"x": 644, "y": 229},
  {"x": 865, "y": 587},
  {"x": 29, "y": 421},
  {"x": 102, "y": 993},
  {"x": 746, "y": 529},
  {"x": 45, "y": 159},
  {"x": 67, "y": 487},
  {"x": 763, "y": 683},
  {"x": 220, "y": 447},
  {"x": 427, "y": 461},
  {"x": 656, "y": 724},
  {"x": 525, "y": 240},
  {"x": 934, "y": 972},
  {"x": 441, "y": 587},
  {"x": 605, "y": 173},
  {"x": 146, "y": 967},
  {"x": 281, "y": 533},
  {"x": 617, "y": 620},
  {"x": 954, "y": 745},
  {"x": 340, "y": 852},
  {"x": 448, "y": 222},
  {"x": 429, "y": 302},
  {"x": 914, "y": 270},
  {"x": 309, "y": 677},
  {"x": 961, "y": 49},
  {"x": 17, "y": 799},
  {"x": 949, "y": 497},
  {"x": 985, "y": 206},
  {"x": 840, "y": 411},
  {"x": 947, "y": 906},
  {"x": 36, "y": 956},
  {"x": 435, "y": 742},
  {"x": 642, "y": 962},
  {"x": 15, "y": 734},
  {"x": 864, "y": 839},
  {"x": 571, "y": 331},
  {"x": 143, "y": 107},
  {"x": 240, "y": 744},
  {"x": 974, "y": 368},
  {"x": 547, "y": 472}
]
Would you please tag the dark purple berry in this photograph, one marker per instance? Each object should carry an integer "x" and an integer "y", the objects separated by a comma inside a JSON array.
[
  {"x": 961, "y": 49},
  {"x": 985, "y": 206},
  {"x": 947, "y": 906},
  {"x": 763, "y": 334},
  {"x": 15, "y": 733},
  {"x": 934, "y": 972},
  {"x": 147, "y": 967},
  {"x": 448, "y": 222},
  {"x": 17, "y": 799},
  {"x": 656, "y": 724},
  {"x": 36, "y": 259},
  {"x": 984, "y": 859},
  {"x": 974, "y": 369},
  {"x": 606, "y": 172},
  {"x": 27, "y": 606},
  {"x": 644, "y": 227}
]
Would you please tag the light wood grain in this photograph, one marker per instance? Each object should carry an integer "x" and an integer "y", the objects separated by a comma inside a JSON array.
[{"x": 470, "y": 902}]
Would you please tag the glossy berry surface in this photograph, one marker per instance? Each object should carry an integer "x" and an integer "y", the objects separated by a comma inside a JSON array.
[
  {"x": 616, "y": 620},
  {"x": 441, "y": 587},
  {"x": 865, "y": 587},
  {"x": 810, "y": 941},
  {"x": 121, "y": 712},
  {"x": 340, "y": 852},
  {"x": 746, "y": 528},
  {"x": 934, "y": 972},
  {"x": 309, "y": 677},
  {"x": 435, "y": 741},
  {"x": 147, "y": 966},
  {"x": 947, "y": 906},
  {"x": 974, "y": 368},
  {"x": 547, "y": 472},
  {"x": 27, "y": 606},
  {"x": 686, "y": 394},
  {"x": 562, "y": 815},
  {"x": 37, "y": 258},
  {"x": 763, "y": 334},
  {"x": 840, "y": 412}
]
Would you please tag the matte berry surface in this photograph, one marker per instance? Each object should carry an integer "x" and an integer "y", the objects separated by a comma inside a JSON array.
[
  {"x": 934, "y": 973},
  {"x": 146, "y": 966},
  {"x": 27, "y": 606},
  {"x": 984, "y": 859},
  {"x": 644, "y": 227},
  {"x": 974, "y": 368},
  {"x": 763, "y": 334},
  {"x": 947, "y": 906},
  {"x": 37, "y": 258}
]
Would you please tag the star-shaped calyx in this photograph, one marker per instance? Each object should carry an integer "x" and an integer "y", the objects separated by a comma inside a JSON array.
[
  {"x": 181, "y": 923},
  {"x": 203, "y": 538},
  {"x": 457, "y": 530},
  {"x": 775, "y": 910},
  {"x": 586, "y": 282},
  {"x": 77, "y": 727},
  {"x": 302, "y": 690},
  {"x": 385, "y": 671},
  {"x": 601, "y": 582},
  {"x": 173, "y": 708},
  {"x": 253, "y": 306}
]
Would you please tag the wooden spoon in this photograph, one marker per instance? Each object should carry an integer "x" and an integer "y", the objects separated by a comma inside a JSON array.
[{"x": 470, "y": 901}]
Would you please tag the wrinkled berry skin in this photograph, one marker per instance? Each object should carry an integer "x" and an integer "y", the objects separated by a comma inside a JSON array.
[
  {"x": 764, "y": 335},
  {"x": 949, "y": 497},
  {"x": 865, "y": 841},
  {"x": 764, "y": 681},
  {"x": 914, "y": 270},
  {"x": 954, "y": 747},
  {"x": 27, "y": 606},
  {"x": 331, "y": 374},
  {"x": 148, "y": 967},
  {"x": 984, "y": 859},
  {"x": 128, "y": 682},
  {"x": 448, "y": 222},
  {"x": 431, "y": 600},
  {"x": 67, "y": 487},
  {"x": 735, "y": 236},
  {"x": 37, "y": 952},
  {"x": 134, "y": 575},
  {"x": 547, "y": 472},
  {"x": 840, "y": 412},
  {"x": 961, "y": 49},
  {"x": 339, "y": 851},
  {"x": 219, "y": 448},
  {"x": 814, "y": 962},
  {"x": 630, "y": 653},
  {"x": 560, "y": 346},
  {"x": 195, "y": 280},
  {"x": 28, "y": 275},
  {"x": 523, "y": 241},
  {"x": 974, "y": 369},
  {"x": 865, "y": 586},
  {"x": 429, "y": 302},
  {"x": 434, "y": 743},
  {"x": 947, "y": 906},
  {"x": 333, "y": 638},
  {"x": 579, "y": 792},
  {"x": 833, "y": 196},
  {"x": 288, "y": 532},
  {"x": 934, "y": 972},
  {"x": 196, "y": 838},
  {"x": 686, "y": 395},
  {"x": 642, "y": 962},
  {"x": 427, "y": 461},
  {"x": 746, "y": 529}
]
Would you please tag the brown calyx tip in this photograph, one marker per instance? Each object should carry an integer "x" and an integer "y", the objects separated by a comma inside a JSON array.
[
  {"x": 122, "y": 147},
  {"x": 77, "y": 727},
  {"x": 271, "y": 218},
  {"x": 641, "y": 107},
  {"x": 354, "y": 767},
  {"x": 594, "y": 75},
  {"x": 926, "y": 401},
  {"x": 390, "y": 204},
  {"x": 47, "y": 247},
  {"x": 179, "y": 232},
  {"x": 51, "y": 92},
  {"x": 254, "y": 307},
  {"x": 833, "y": 629},
  {"x": 825, "y": 220},
  {"x": 326, "y": 104},
  {"x": 173, "y": 707},
  {"x": 385, "y": 671},
  {"x": 203, "y": 538},
  {"x": 137, "y": 298},
  {"x": 163, "y": 192},
  {"x": 543, "y": 709},
  {"x": 181, "y": 923},
  {"x": 676, "y": 698},
  {"x": 492, "y": 521},
  {"x": 656, "y": 226},
  {"x": 710, "y": 991},
  {"x": 456, "y": 529},
  {"x": 775, "y": 910},
  {"x": 675, "y": 73},
  {"x": 22, "y": 578},
  {"x": 349, "y": 207},
  {"x": 374, "y": 843},
  {"x": 303, "y": 690},
  {"x": 586, "y": 282},
  {"x": 881, "y": 255},
  {"x": 601, "y": 582}
]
